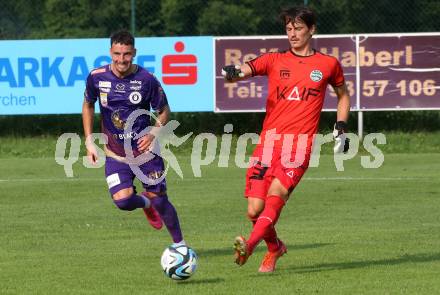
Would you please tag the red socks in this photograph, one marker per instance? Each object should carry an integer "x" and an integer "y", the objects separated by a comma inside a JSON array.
[
  {"x": 264, "y": 227},
  {"x": 271, "y": 238}
]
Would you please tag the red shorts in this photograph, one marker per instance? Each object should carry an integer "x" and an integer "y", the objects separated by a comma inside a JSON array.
[{"x": 288, "y": 169}]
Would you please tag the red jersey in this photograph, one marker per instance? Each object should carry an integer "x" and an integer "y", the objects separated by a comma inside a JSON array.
[{"x": 297, "y": 86}]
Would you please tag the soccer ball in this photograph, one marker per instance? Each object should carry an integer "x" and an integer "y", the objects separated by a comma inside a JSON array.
[{"x": 179, "y": 262}]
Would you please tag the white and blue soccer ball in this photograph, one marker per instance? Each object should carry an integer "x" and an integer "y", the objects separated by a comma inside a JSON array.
[{"x": 179, "y": 262}]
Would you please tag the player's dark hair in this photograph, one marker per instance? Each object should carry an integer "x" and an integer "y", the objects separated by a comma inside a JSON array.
[
  {"x": 122, "y": 37},
  {"x": 302, "y": 13}
]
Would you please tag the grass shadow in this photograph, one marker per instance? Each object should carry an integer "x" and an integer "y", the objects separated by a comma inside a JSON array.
[
  {"x": 201, "y": 281},
  {"x": 230, "y": 251},
  {"x": 417, "y": 258}
]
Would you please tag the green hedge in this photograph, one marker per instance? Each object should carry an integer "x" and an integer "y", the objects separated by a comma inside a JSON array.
[
  {"x": 44, "y": 146},
  {"x": 400, "y": 121}
]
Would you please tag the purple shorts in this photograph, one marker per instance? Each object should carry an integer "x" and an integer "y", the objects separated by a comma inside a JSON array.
[{"x": 119, "y": 175}]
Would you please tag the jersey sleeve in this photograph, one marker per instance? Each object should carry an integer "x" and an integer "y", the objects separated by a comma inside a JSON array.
[
  {"x": 90, "y": 93},
  {"x": 261, "y": 65},
  {"x": 337, "y": 78},
  {"x": 157, "y": 94}
]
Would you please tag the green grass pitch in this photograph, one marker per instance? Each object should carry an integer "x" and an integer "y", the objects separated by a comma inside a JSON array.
[{"x": 361, "y": 231}]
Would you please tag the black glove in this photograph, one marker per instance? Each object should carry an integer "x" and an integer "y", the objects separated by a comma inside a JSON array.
[
  {"x": 342, "y": 143},
  {"x": 232, "y": 72}
]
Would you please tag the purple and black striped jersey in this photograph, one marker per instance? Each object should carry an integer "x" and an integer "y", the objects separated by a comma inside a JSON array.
[{"x": 118, "y": 98}]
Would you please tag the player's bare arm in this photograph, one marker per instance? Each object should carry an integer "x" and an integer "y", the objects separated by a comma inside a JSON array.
[
  {"x": 233, "y": 73},
  {"x": 88, "y": 111},
  {"x": 343, "y": 109},
  {"x": 163, "y": 116}
]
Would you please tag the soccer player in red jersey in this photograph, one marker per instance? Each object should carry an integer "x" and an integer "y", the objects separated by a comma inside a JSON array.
[{"x": 298, "y": 80}]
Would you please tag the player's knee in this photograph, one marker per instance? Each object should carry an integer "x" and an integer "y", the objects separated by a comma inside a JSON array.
[
  {"x": 126, "y": 204},
  {"x": 152, "y": 195},
  {"x": 255, "y": 207},
  {"x": 277, "y": 189},
  {"x": 123, "y": 193},
  {"x": 253, "y": 213}
]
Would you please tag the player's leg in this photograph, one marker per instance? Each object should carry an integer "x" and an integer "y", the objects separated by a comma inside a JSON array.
[
  {"x": 125, "y": 199},
  {"x": 255, "y": 207},
  {"x": 277, "y": 197},
  {"x": 285, "y": 180},
  {"x": 265, "y": 228},
  {"x": 275, "y": 201},
  {"x": 257, "y": 184},
  {"x": 168, "y": 214},
  {"x": 255, "y": 192},
  {"x": 120, "y": 182},
  {"x": 152, "y": 215},
  {"x": 156, "y": 191},
  {"x": 271, "y": 257}
]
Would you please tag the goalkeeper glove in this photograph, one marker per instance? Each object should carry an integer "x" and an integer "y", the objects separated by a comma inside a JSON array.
[
  {"x": 232, "y": 72},
  {"x": 342, "y": 143}
]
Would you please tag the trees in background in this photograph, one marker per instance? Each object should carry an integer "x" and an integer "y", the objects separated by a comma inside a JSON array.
[
  {"x": 44, "y": 19},
  {"x": 40, "y": 19}
]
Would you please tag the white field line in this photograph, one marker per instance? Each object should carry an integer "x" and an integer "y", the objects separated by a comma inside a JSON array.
[{"x": 66, "y": 179}]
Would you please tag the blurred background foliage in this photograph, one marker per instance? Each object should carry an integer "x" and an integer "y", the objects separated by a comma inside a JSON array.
[{"x": 35, "y": 19}]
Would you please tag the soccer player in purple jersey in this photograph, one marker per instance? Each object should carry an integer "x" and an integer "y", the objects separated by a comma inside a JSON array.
[{"x": 122, "y": 88}]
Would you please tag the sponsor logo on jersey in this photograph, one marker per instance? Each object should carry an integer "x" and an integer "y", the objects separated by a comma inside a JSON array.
[
  {"x": 284, "y": 74},
  {"x": 103, "y": 98},
  {"x": 105, "y": 84},
  {"x": 135, "y": 97},
  {"x": 316, "y": 75},
  {"x": 136, "y": 88},
  {"x": 120, "y": 88},
  {"x": 136, "y": 82},
  {"x": 107, "y": 90},
  {"x": 296, "y": 93},
  {"x": 117, "y": 121},
  {"x": 123, "y": 136}
]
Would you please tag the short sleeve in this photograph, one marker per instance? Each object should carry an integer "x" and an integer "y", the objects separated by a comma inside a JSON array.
[
  {"x": 157, "y": 94},
  {"x": 337, "y": 78},
  {"x": 260, "y": 66},
  {"x": 90, "y": 93}
]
